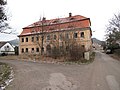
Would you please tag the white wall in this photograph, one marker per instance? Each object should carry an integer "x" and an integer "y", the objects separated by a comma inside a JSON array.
[{"x": 10, "y": 49}]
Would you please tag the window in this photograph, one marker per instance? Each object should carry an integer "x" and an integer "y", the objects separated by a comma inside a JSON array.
[
  {"x": 32, "y": 50},
  {"x": 61, "y": 43},
  {"x": 70, "y": 26},
  {"x": 56, "y": 21},
  {"x": 37, "y": 38},
  {"x": 55, "y": 37},
  {"x": 26, "y": 39},
  {"x": 61, "y": 47},
  {"x": 60, "y": 37},
  {"x": 75, "y": 35},
  {"x": 22, "y": 39},
  {"x": 26, "y": 50},
  {"x": 67, "y": 36},
  {"x": 82, "y": 34},
  {"x": 48, "y": 37},
  {"x": 42, "y": 37},
  {"x": 32, "y": 39},
  {"x": 42, "y": 49},
  {"x": 67, "y": 48},
  {"x": 51, "y": 29},
  {"x": 83, "y": 46},
  {"x": 22, "y": 50},
  {"x": 37, "y": 49},
  {"x": 54, "y": 47},
  {"x": 7, "y": 46},
  {"x": 48, "y": 48}
]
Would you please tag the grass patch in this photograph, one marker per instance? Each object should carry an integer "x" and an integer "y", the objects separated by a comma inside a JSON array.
[{"x": 5, "y": 72}]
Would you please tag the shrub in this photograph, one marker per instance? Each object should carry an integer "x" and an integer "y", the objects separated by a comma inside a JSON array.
[{"x": 76, "y": 53}]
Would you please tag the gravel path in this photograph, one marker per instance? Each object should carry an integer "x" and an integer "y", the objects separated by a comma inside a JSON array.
[{"x": 102, "y": 74}]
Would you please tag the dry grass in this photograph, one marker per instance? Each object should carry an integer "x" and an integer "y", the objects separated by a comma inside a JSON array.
[
  {"x": 115, "y": 56},
  {"x": 31, "y": 57},
  {"x": 11, "y": 57},
  {"x": 4, "y": 73}
]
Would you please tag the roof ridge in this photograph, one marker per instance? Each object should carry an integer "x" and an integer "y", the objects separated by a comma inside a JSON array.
[{"x": 65, "y": 19}]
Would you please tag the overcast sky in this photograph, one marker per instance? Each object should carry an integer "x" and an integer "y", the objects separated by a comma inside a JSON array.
[{"x": 25, "y": 12}]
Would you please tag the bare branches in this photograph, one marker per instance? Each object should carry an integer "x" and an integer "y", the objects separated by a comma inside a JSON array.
[
  {"x": 4, "y": 26},
  {"x": 113, "y": 29}
]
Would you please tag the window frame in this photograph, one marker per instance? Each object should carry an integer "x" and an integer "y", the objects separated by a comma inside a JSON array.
[
  {"x": 22, "y": 50},
  {"x": 75, "y": 35},
  {"x": 32, "y": 39},
  {"x": 37, "y": 49},
  {"x": 37, "y": 38},
  {"x": 54, "y": 36},
  {"x": 66, "y": 35},
  {"x": 22, "y": 40},
  {"x": 60, "y": 37},
  {"x": 26, "y": 50},
  {"x": 48, "y": 37},
  {"x": 26, "y": 39},
  {"x": 82, "y": 35},
  {"x": 32, "y": 50}
]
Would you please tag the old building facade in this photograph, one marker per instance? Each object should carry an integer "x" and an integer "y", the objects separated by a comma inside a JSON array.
[{"x": 42, "y": 36}]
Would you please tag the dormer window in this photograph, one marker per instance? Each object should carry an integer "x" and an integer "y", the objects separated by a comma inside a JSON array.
[
  {"x": 56, "y": 21},
  {"x": 32, "y": 31},
  {"x": 51, "y": 29},
  {"x": 70, "y": 26},
  {"x": 72, "y": 18}
]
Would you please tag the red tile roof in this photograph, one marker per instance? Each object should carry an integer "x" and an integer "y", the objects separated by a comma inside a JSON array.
[{"x": 76, "y": 21}]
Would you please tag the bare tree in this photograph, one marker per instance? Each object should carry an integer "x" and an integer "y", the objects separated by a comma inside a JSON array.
[
  {"x": 113, "y": 32},
  {"x": 113, "y": 29},
  {"x": 39, "y": 32},
  {"x": 3, "y": 18}
]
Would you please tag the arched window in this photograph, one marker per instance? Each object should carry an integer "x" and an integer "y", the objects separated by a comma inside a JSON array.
[
  {"x": 82, "y": 34},
  {"x": 48, "y": 47},
  {"x": 55, "y": 37},
  {"x": 75, "y": 35},
  {"x": 48, "y": 37}
]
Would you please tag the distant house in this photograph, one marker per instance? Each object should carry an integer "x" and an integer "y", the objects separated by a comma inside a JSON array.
[{"x": 6, "y": 48}]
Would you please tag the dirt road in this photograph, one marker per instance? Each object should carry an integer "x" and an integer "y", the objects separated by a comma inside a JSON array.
[{"x": 102, "y": 74}]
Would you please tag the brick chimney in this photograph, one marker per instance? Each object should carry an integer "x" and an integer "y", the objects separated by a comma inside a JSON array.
[
  {"x": 70, "y": 14},
  {"x": 43, "y": 19}
]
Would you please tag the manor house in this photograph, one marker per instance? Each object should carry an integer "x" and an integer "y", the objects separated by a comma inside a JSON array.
[{"x": 42, "y": 36}]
